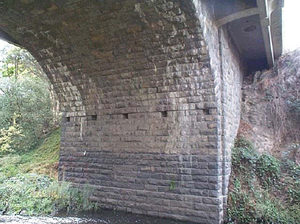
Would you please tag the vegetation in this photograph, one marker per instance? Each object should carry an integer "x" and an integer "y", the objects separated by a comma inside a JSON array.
[
  {"x": 262, "y": 188},
  {"x": 26, "y": 107},
  {"x": 29, "y": 186},
  {"x": 29, "y": 143},
  {"x": 34, "y": 194},
  {"x": 41, "y": 160}
]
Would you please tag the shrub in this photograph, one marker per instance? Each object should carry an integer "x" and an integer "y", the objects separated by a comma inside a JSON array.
[
  {"x": 33, "y": 194},
  {"x": 268, "y": 170},
  {"x": 240, "y": 209},
  {"x": 244, "y": 156},
  {"x": 260, "y": 190}
]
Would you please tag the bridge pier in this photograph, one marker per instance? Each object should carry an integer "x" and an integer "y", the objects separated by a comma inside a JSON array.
[{"x": 150, "y": 93}]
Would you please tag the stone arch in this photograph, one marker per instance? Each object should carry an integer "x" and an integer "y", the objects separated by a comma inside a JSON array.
[{"x": 139, "y": 81}]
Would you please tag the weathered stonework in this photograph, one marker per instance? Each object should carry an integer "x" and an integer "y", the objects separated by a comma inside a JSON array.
[{"x": 150, "y": 92}]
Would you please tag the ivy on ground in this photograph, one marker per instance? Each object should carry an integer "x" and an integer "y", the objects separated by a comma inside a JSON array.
[{"x": 263, "y": 189}]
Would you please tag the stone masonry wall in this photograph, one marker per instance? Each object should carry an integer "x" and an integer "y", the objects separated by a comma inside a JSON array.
[
  {"x": 232, "y": 74},
  {"x": 150, "y": 104},
  {"x": 228, "y": 71}
]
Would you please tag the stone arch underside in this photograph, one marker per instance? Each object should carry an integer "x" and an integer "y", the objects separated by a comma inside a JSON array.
[{"x": 143, "y": 68}]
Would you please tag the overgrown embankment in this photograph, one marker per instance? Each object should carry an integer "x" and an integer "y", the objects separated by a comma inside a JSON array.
[
  {"x": 43, "y": 159},
  {"x": 263, "y": 189},
  {"x": 265, "y": 178},
  {"x": 29, "y": 186}
]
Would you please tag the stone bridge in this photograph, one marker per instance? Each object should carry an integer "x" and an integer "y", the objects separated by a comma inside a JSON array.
[{"x": 150, "y": 92}]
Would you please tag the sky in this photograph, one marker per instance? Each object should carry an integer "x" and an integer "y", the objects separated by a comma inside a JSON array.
[
  {"x": 291, "y": 26},
  {"x": 2, "y": 45}
]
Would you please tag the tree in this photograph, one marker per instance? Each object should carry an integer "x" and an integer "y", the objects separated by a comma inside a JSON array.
[{"x": 25, "y": 102}]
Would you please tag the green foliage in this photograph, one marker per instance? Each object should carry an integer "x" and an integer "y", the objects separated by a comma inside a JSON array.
[
  {"x": 9, "y": 165},
  {"x": 294, "y": 193},
  {"x": 268, "y": 169},
  {"x": 243, "y": 155},
  {"x": 240, "y": 209},
  {"x": 272, "y": 210},
  {"x": 33, "y": 194},
  {"x": 293, "y": 184},
  {"x": 294, "y": 170},
  {"x": 262, "y": 189},
  {"x": 246, "y": 159},
  {"x": 28, "y": 156},
  {"x": 43, "y": 159},
  {"x": 9, "y": 138},
  {"x": 26, "y": 106},
  {"x": 24, "y": 191},
  {"x": 72, "y": 199},
  {"x": 172, "y": 185}
]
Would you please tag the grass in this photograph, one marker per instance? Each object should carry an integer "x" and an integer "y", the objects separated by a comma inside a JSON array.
[
  {"x": 43, "y": 159},
  {"x": 29, "y": 186},
  {"x": 34, "y": 194}
]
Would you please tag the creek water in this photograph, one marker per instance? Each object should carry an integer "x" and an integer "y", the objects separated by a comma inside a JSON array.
[{"x": 102, "y": 217}]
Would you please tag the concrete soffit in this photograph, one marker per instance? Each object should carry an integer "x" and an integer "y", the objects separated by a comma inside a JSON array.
[
  {"x": 270, "y": 14},
  {"x": 237, "y": 15}
]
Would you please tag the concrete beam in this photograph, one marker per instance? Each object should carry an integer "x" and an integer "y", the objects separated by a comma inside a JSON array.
[
  {"x": 264, "y": 13},
  {"x": 237, "y": 15},
  {"x": 276, "y": 26},
  {"x": 270, "y": 14}
]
